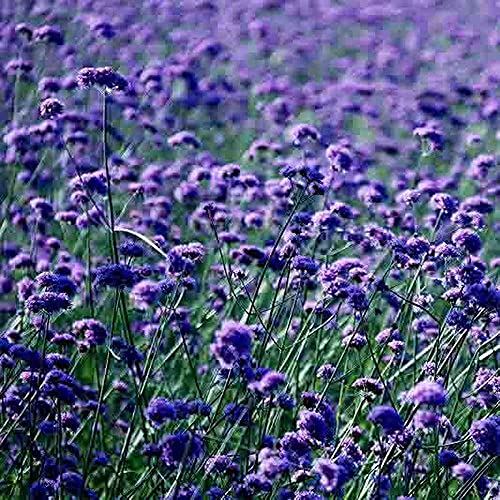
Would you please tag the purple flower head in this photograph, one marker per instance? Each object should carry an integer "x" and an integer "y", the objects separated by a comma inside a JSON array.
[
  {"x": 237, "y": 414},
  {"x": 305, "y": 265},
  {"x": 181, "y": 447},
  {"x": 443, "y": 202},
  {"x": 332, "y": 476},
  {"x": 48, "y": 302},
  {"x": 313, "y": 427},
  {"x": 340, "y": 157},
  {"x": 425, "y": 419},
  {"x": 115, "y": 276},
  {"x": 326, "y": 371},
  {"x": 160, "y": 410},
  {"x": 467, "y": 240},
  {"x": 131, "y": 249},
  {"x": 301, "y": 132},
  {"x": 105, "y": 77},
  {"x": 356, "y": 297},
  {"x": 369, "y": 385},
  {"x": 463, "y": 471},
  {"x": 184, "y": 138},
  {"x": 48, "y": 34},
  {"x": 58, "y": 283},
  {"x": 448, "y": 458},
  {"x": 71, "y": 482},
  {"x": 293, "y": 447},
  {"x": 51, "y": 108},
  {"x": 233, "y": 343},
  {"x": 257, "y": 483},
  {"x": 42, "y": 208},
  {"x": 268, "y": 383},
  {"x": 222, "y": 464},
  {"x": 486, "y": 435},
  {"x": 387, "y": 417},
  {"x": 428, "y": 392},
  {"x": 91, "y": 329},
  {"x": 146, "y": 293},
  {"x": 431, "y": 135}
]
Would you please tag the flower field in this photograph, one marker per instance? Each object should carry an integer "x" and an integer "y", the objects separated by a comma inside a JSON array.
[{"x": 249, "y": 249}]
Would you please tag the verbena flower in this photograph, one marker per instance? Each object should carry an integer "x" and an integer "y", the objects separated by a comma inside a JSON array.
[
  {"x": 115, "y": 276},
  {"x": 48, "y": 302},
  {"x": 428, "y": 392},
  {"x": 387, "y": 417},
  {"x": 486, "y": 435},
  {"x": 232, "y": 344}
]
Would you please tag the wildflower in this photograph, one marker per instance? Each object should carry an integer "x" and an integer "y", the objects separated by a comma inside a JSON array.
[
  {"x": 160, "y": 410},
  {"x": 58, "y": 283},
  {"x": 387, "y": 417},
  {"x": 180, "y": 447},
  {"x": 467, "y": 240},
  {"x": 48, "y": 302},
  {"x": 71, "y": 482},
  {"x": 332, "y": 475},
  {"x": 105, "y": 77},
  {"x": 49, "y": 34},
  {"x": 448, "y": 458},
  {"x": 184, "y": 138},
  {"x": 431, "y": 135},
  {"x": 313, "y": 427},
  {"x": 340, "y": 157},
  {"x": 268, "y": 383},
  {"x": 131, "y": 249},
  {"x": 233, "y": 343},
  {"x": 303, "y": 131},
  {"x": 92, "y": 330},
  {"x": 486, "y": 435},
  {"x": 115, "y": 276},
  {"x": 428, "y": 392},
  {"x": 51, "y": 108}
]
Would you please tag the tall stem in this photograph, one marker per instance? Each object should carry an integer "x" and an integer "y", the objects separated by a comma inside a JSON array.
[{"x": 111, "y": 215}]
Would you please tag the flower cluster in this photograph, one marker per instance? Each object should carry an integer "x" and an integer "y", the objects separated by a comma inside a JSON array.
[{"x": 247, "y": 249}]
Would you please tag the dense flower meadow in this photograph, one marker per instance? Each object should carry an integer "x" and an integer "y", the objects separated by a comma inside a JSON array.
[{"x": 249, "y": 249}]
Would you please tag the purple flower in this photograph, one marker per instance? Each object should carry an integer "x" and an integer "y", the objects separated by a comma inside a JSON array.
[
  {"x": 131, "y": 249},
  {"x": 115, "y": 276},
  {"x": 387, "y": 417},
  {"x": 105, "y": 77},
  {"x": 463, "y": 471},
  {"x": 48, "y": 302},
  {"x": 51, "y": 108},
  {"x": 340, "y": 157},
  {"x": 181, "y": 447},
  {"x": 233, "y": 343},
  {"x": 303, "y": 131},
  {"x": 296, "y": 449},
  {"x": 467, "y": 240},
  {"x": 160, "y": 410},
  {"x": 49, "y": 34},
  {"x": 486, "y": 435},
  {"x": 71, "y": 482},
  {"x": 443, "y": 202},
  {"x": 184, "y": 138},
  {"x": 432, "y": 135},
  {"x": 92, "y": 330},
  {"x": 58, "y": 283},
  {"x": 268, "y": 383},
  {"x": 305, "y": 265},
  {"x": 428, "y": 392},
  {"x": 313, "y": 427},
  {"x": 332, "y": 476},
  {"x": 448, "y": 458},
  {"x": 237, "y": 414}
]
